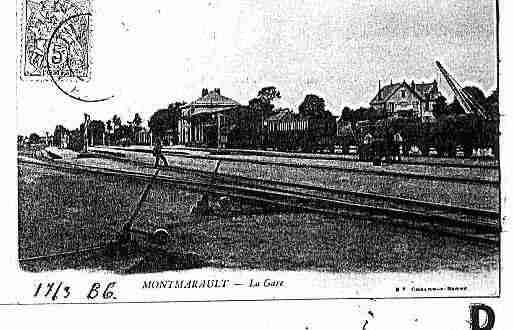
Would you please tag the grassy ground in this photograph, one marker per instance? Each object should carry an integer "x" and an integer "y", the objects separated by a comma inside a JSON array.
[{"x": 60, "y": 211}]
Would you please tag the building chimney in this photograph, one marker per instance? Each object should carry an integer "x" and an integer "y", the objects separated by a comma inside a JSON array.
[
  {"x": 217, "y": 91},
  {"x": 204, "y": 92},
  {"x": 379, "y": 89},
  {"x": 413, "y": 84}
]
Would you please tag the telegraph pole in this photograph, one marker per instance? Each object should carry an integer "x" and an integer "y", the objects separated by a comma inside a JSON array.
[{"x": 87, "y": 118}]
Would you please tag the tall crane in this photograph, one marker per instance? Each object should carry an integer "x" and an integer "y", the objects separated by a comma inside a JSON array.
[{"x": 466, "y": 100}]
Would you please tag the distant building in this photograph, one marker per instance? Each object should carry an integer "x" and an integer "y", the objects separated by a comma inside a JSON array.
[
  {"x": 204, "y": 122},
  {"x": 403, "y": 100}
]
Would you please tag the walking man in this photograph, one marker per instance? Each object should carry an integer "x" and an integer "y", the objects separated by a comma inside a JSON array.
[{"x": 157, "y": 152}]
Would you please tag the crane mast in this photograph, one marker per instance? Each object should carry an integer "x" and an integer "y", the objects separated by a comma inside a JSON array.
[{"x": 466, "y": 100}]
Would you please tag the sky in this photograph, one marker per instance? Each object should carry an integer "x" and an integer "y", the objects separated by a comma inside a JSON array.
[{"x": 152, "y": 53}]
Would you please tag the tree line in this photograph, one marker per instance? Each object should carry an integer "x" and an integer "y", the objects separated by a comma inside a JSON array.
[
  {"x": 452, "y": 126},
  {"x": 112, "y": 131}
]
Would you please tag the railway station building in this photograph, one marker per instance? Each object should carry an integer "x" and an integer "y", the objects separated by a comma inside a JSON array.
[
  {"x": 206, "y": 121},
  {"x": 403, "y": 100}
]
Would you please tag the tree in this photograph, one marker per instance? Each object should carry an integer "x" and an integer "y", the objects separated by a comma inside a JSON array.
[
  {"x": 59, "y": 135},
  {"x": 109, "y": 125},
  {"x": 451, "y": 131},
  {"x": 260, "y": 108},
  {"x": 135, "y": 126},
  {"x": 476, "y": 94},
  {"x": 493, "y": 98},
  {"x": 268, "y": 94},
  {"x": 263, "y": 103},
  {"x": 313, "y": 106},
  {"x": 454, "y": 108},
  {"x": 490, "y": 137},
  {"x": 137, "y": 121},
  {"x": 123, "y": 135},
  {"x": 440, "y": 107},
  {"x": 96, "y": 132},
  {"x": 470, "y": 130},
  {"x": 347, "y": 114},
  {"x": 164, "y": 120},
  {"x": 363, "y": 114},
  {"x": 34, "y": 138},
  {"x": 491, "y": 106},
  {"x": 108, "y": 128},
  {"x": 76, "y": 141},
  {"x": 116, "y": 121}
]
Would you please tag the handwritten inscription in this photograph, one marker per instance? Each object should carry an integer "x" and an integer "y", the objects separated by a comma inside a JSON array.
[
  {"x": 61, "y": 291},
  {"x": 53, "y": 290},
  {"x": 106, "y": 292}
]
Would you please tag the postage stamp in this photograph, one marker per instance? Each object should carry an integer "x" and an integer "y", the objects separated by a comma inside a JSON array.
[
  {"x": 56, "y": 36},
  {"x": 307, "y": 150}
]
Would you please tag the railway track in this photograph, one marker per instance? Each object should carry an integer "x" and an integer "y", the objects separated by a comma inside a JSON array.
[
  {"x": 466, "y": 223},
  {"x": 457, "y": 212},
  {"x": 380, "y": 172}
]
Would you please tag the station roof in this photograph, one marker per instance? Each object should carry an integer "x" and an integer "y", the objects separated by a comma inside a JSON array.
[{"x": 211, "y": 102}]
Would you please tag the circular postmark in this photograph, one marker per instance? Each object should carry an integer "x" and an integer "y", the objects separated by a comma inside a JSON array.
[{"x": 67, "y": 59}]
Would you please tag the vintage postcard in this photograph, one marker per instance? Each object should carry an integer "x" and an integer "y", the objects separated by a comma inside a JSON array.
[{"x": 258, "y": 150}]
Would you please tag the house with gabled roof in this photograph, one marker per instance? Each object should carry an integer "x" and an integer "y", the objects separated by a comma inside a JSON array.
[{"x": 403, "y": 100}]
